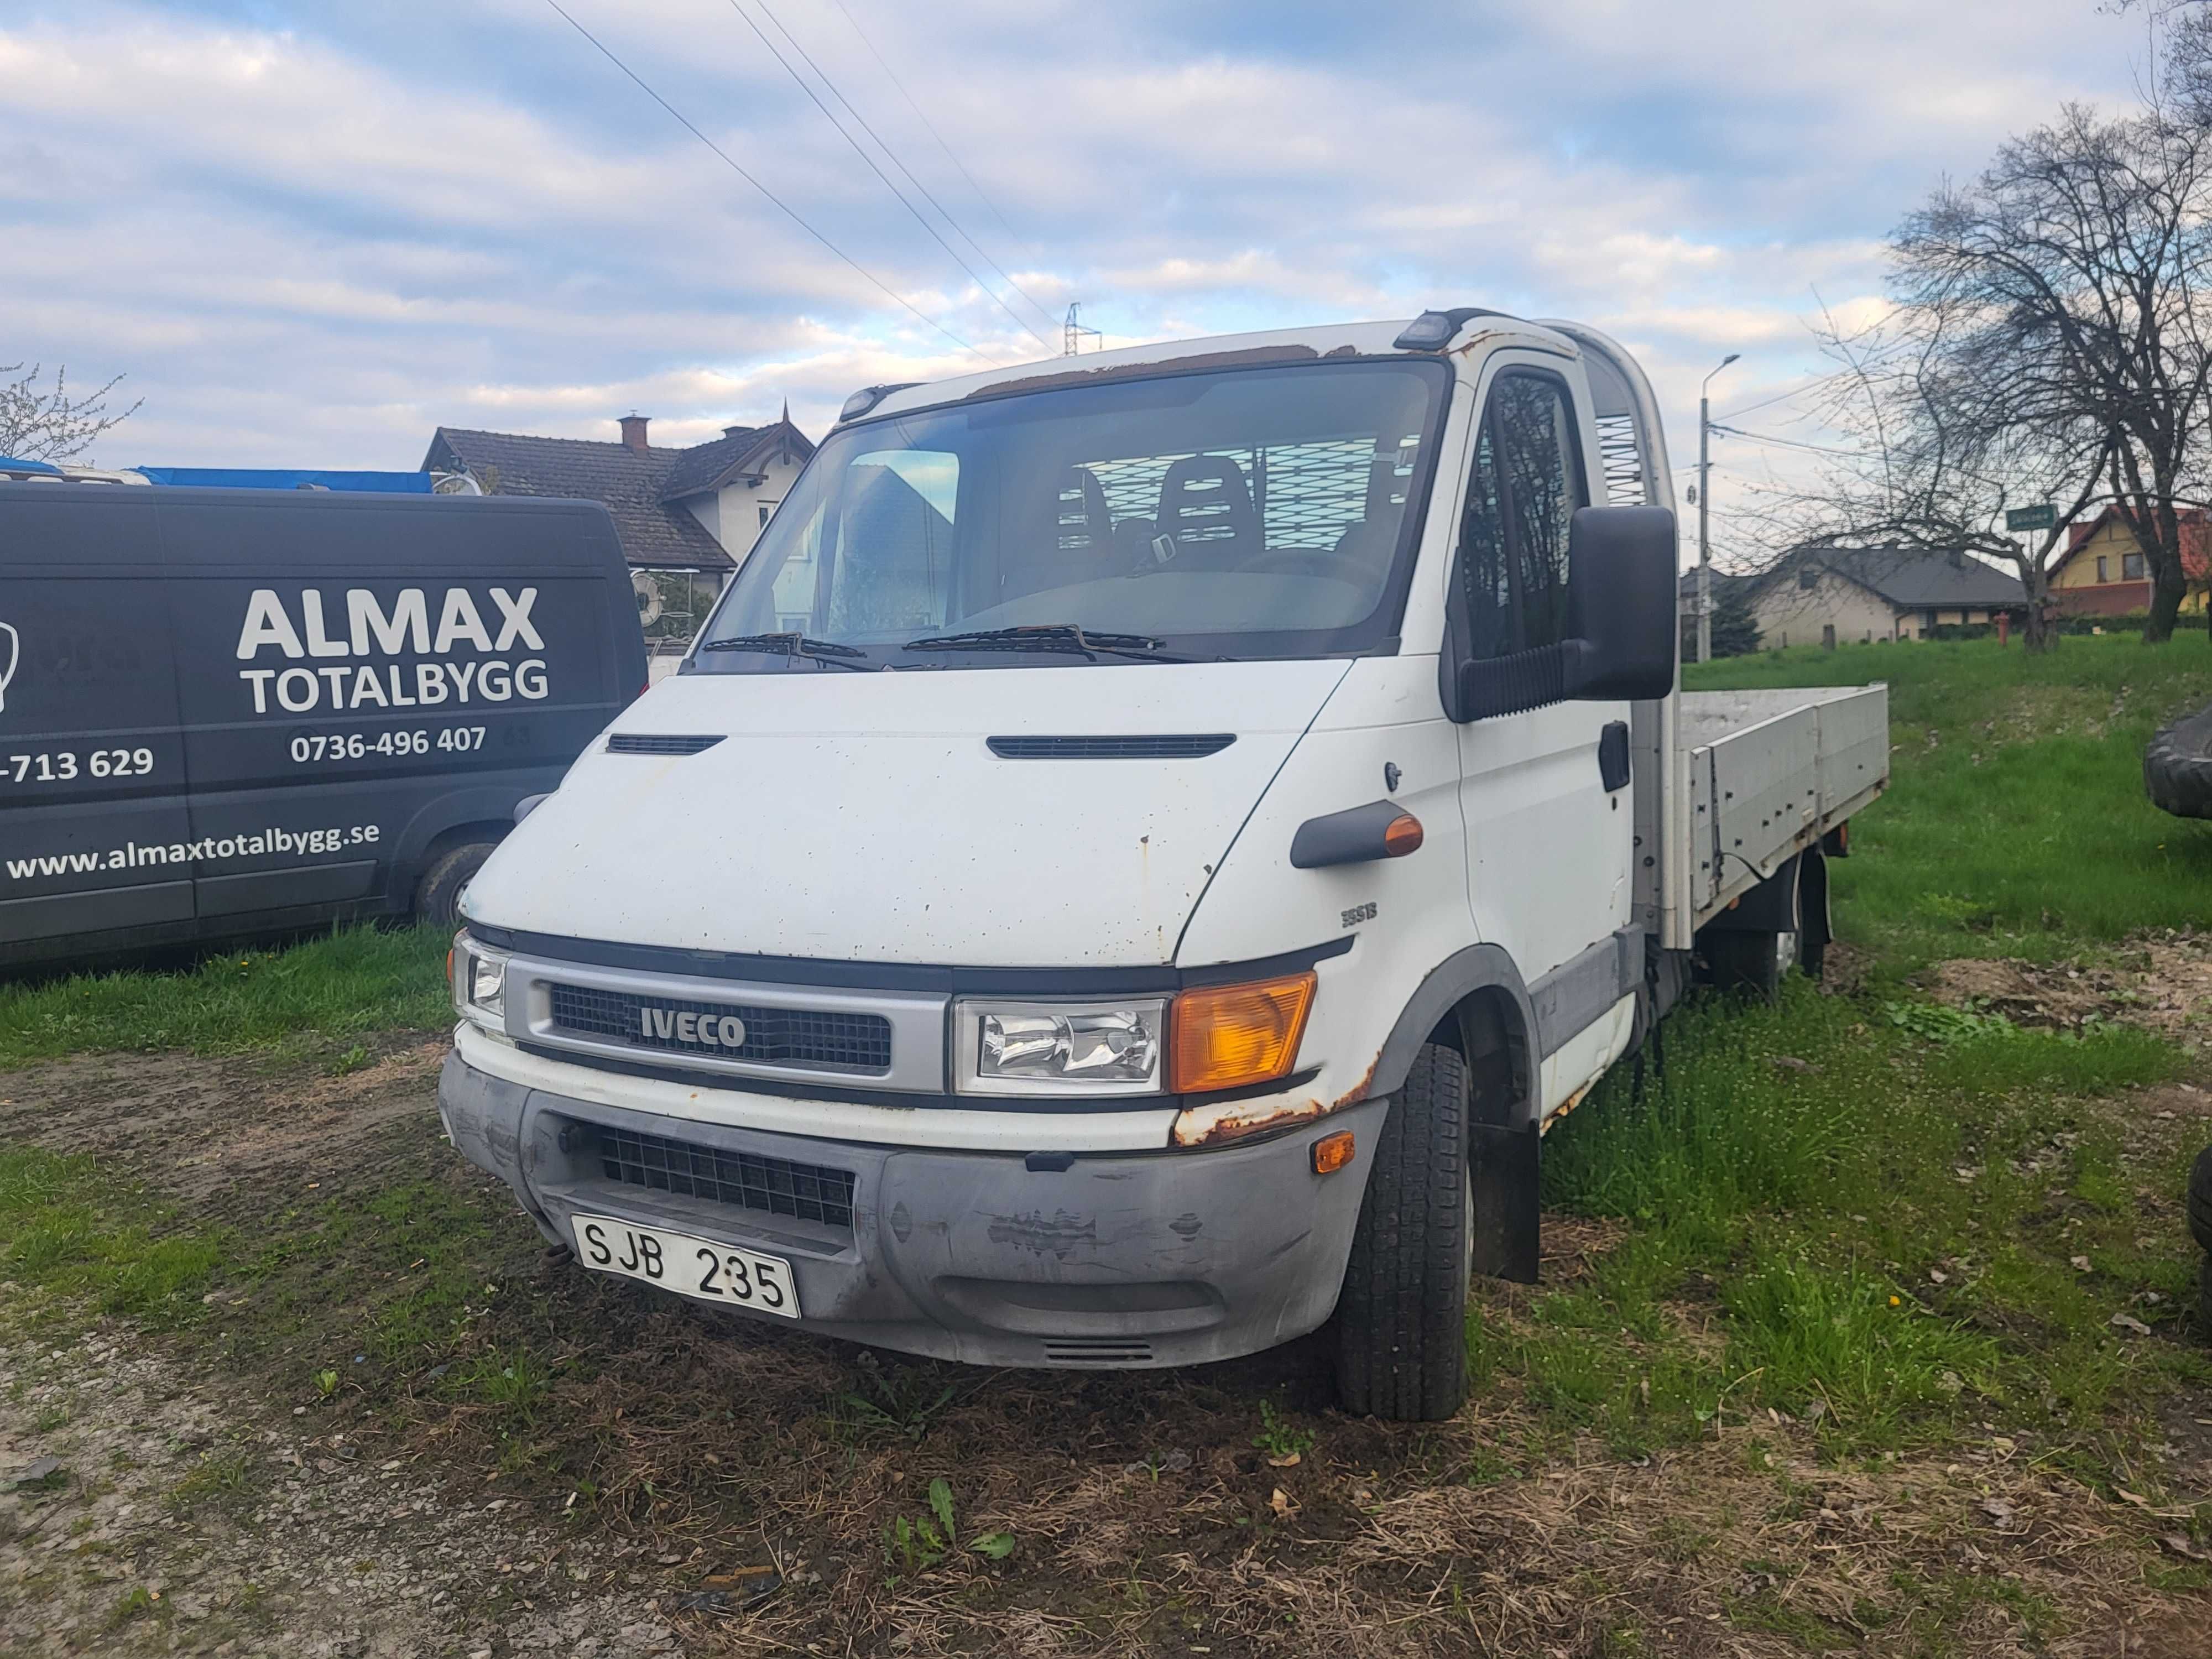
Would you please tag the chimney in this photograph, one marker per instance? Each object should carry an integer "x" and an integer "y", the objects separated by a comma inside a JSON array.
[
  {"x": 633, "y": 431},
  {"x": 736, "y": 431}
]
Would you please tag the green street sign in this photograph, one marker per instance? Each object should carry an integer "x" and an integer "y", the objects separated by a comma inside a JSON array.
[{"x": 2031, "y": 517}]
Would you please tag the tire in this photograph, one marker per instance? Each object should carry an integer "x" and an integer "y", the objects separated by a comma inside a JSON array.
[
  {"x": 438, "y": 895},
  {"x": 2200, "y": 1199},
  {"x": 2204, "y": 1297},
  {"x": 1400, "y": 1326},
  {"x": 1751, "y": 962},
  {"x": 2177, "y": 766}
]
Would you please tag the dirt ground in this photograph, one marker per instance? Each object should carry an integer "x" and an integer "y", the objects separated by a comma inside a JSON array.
[
  {"x": 2160, "y": 982},
  {"x": 713, "y": 1488}
]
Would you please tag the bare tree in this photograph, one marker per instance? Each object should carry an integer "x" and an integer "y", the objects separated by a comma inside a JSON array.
[
  {"x": 2049, "y": 341},
  {"x": 38, "y": 425},
  {"x": 2074, "y": 276},
  {"x": 1940, "y": 444}
]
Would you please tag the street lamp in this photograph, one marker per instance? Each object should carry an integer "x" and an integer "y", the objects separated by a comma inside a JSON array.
[{"x": 1704, "y": 499}]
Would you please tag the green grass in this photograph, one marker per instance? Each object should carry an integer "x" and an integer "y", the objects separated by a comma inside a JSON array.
[
  {"x": 355, "y": 981},
  {"x": 1783, "y": 1223},
  {"x": 1797, "y": 1176},
  {"x": 2016, "y": 823},
  {"x": 65, "y": 1228}
]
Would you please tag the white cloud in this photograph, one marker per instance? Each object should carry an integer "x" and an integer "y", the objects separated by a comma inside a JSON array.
[{"x": 311, "y": 246}]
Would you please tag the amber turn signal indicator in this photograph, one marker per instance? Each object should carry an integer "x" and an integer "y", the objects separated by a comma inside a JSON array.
[
  {"x": 1402, "y": 835},
  {"x": 1331, "y": 1152},
  {"x": 1229, "y": 1036}
]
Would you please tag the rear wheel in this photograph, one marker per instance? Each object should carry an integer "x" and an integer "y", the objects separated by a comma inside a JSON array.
[
  {"x": 1401, "y": 1324},
  {"x": 2204, "y": 1297},
  {"x": 438, "y": 895},
  {"x": 1752, "y": 962}
]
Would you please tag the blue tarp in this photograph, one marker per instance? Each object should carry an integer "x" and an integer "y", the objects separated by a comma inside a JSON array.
[
  {"x": 230, "y": 477},
  {"x": 9, "y": 464}
]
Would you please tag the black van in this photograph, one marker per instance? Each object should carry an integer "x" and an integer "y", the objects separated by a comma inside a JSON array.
[{"x": 226, "y": 712}]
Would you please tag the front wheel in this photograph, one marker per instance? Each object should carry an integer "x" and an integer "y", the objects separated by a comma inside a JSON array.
[{"x": 1401, "y": 1324}]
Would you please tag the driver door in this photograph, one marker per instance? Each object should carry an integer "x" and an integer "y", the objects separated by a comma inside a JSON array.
[{"x": 1549, "y": 845}]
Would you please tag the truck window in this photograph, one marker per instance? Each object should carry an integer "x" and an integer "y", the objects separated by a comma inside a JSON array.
[
  {"x": 1251, "y": 513},
  {"x": 1522, "y": 497}
]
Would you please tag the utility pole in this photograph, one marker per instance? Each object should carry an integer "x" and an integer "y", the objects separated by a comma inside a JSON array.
[
  {"x": 1704, "y": 509},
  {"x": 1072, "y": 335}
]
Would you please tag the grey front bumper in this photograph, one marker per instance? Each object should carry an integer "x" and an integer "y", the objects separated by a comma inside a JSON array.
[{"x": 1170, "y": 1258}]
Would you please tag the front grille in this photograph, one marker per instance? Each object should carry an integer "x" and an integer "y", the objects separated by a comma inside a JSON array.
[
  {"x": 775, "y": 1186},
  {"x": 860, "y": 1043},
  {"x": 1193, "y": 746},
  {"x": 652, "y": 743}
]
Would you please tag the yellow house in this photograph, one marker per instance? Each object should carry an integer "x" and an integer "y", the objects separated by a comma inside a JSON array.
[{"x": 2105, "y": 573}]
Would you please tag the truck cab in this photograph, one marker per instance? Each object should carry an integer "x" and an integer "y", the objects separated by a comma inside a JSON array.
[{"x": 1136, "y": 859}]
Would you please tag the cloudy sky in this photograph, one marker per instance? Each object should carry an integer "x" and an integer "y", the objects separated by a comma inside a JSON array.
[{"x": 310, "y": 234}]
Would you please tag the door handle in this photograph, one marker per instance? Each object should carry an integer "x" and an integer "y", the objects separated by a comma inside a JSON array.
[{"x": 1613, "y": 756}]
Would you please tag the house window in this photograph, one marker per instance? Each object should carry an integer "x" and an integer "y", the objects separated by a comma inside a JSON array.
[
  {"x": 1526, "y": 486},
  {"x": 1808, "y": 578},
  {"x": 2102, "y": 576},
  {"x": 2131, "y": 567}
]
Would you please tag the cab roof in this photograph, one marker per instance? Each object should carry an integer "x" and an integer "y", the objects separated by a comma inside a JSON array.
[{"x": 1374, "y": 339}]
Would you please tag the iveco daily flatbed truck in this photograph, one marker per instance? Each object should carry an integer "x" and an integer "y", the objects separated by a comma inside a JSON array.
[{"x": 1140, "y": 855}]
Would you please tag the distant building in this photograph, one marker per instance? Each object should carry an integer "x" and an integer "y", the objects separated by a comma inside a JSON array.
[
  {"x": 687, "y": 516},
  {"x": 1834, "y": 595},
  {"x": 2106, "y": 575}
]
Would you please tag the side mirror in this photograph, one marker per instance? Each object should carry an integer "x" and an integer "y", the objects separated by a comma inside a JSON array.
[{"x": 1620, "y": 618}]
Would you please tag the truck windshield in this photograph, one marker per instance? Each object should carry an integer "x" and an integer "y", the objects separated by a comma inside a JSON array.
[{"x": 1229, "y": 514}]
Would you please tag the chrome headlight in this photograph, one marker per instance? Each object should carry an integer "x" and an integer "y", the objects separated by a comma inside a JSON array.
[
  {"x": 1048, "y": 1048},
  {"x": 479, "y": 984}
]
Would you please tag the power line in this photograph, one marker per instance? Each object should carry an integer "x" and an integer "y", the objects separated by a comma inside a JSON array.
[
  {"x": 959, "y": 229},
  {"x": 1786, "y": 443},
  {"x": 860, "y": 150},
  {"x": 788, "y": 211},
  {"x": 931, "y": 125},
  {"x": 1895, "y": 349}
]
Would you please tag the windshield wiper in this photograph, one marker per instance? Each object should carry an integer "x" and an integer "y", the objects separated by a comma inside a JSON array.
[
  {"x": 1046, "y": 636},
  {"x": 828, "y": 652}
]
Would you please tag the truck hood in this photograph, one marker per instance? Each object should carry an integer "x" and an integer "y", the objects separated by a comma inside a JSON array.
[{"x": 864, "y": 817}]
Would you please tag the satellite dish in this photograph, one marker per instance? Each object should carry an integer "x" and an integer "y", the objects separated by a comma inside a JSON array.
[{"x": 648, "y": 597}]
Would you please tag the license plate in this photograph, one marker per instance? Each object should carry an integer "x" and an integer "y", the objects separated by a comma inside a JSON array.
[{"x": 697, "y": 1268}]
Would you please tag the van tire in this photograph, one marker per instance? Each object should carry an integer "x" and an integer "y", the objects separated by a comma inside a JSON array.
[
  {"x": 438, "y": 895},
  {"x": 2200, "y": 1199},
  {"x": 1400, "y": 1326},
  {"x": 1750, "y": 962},
  {"x": 2205, "y": 1297}
]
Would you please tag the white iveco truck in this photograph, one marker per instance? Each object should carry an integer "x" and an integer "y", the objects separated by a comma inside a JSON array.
[{"x": 1140, "y": 855}]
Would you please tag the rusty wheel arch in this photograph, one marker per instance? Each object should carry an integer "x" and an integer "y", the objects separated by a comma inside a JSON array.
[{"x": 1475, "y": 1003}]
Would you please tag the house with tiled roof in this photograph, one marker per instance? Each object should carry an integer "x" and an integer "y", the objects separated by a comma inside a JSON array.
[
  {"x": 1830, "y": 595},
  {"x": 695, "y": 510}
]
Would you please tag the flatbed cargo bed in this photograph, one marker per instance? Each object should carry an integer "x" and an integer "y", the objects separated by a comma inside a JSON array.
[{"x": 1769, "y": 773}]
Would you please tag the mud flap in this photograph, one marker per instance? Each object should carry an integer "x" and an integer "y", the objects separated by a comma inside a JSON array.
[{"x": 1503, "y": 1165}]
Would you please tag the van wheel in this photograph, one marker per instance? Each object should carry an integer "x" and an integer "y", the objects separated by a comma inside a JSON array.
[
  {"x": 1401, "y": 1324},
  {"x": 438, "y": 895},
  {"x": 1752, "y": 962}
]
